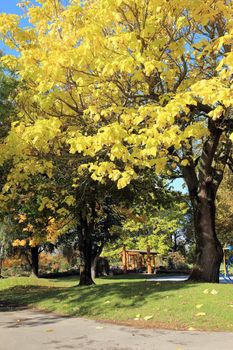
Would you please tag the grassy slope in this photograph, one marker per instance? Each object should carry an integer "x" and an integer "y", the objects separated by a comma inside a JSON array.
[{"x": 171, "y": 305}]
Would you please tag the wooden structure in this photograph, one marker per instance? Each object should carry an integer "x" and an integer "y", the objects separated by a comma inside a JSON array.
[
  {"x": 138, "y": 259},
  {"x": 227, "y": 250}
]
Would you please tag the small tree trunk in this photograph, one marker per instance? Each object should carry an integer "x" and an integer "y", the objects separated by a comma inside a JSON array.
[
  {"x": 85, "y": 250},
  {"x": 1, "y": 259},
  {"x": 35, "y": 260},
  {"x": 1, "y": 263},
  {"x": 93, "y": 267},
  {"x": 85, "y": 267},
  {"x": 209, "y": 250}
]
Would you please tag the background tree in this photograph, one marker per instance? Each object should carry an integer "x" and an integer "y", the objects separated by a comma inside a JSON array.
[
  {"x": 8, "y": 84},
  {"x": 3, "y": 246},
  {"x": 36, "y": 220},
  {"x": 225, "y": 209}
]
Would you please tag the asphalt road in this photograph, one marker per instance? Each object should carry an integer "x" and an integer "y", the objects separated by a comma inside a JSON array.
[{"x": 31, "y": 330}]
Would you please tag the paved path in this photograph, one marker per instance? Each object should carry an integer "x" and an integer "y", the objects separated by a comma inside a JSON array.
[
  {"x": 29, "y": 330},
  {"x": 181, "y": 278}
]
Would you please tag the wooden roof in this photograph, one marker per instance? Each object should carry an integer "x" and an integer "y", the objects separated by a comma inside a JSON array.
[{"x": 136, "y": 251}]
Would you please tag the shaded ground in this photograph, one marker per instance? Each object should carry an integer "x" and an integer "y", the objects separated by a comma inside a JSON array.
[{"x": 29, "y": 330}]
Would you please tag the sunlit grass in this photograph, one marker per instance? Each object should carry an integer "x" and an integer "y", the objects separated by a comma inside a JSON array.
[{"x": 129, "y": 299}]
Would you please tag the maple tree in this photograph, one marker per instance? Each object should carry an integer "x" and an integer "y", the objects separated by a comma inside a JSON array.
[{"x": 129, "y": 84}]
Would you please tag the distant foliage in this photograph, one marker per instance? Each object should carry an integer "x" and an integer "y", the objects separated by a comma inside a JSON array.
[{"x": 176, "y": 261}]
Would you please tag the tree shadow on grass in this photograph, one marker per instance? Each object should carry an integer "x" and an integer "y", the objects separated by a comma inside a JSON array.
[{"x": 98, "y": 301}]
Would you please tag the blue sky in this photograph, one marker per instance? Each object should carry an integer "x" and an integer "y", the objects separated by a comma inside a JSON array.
[
  {"x": 9, "y": 6},
  {"x": 178, "y": 185}
]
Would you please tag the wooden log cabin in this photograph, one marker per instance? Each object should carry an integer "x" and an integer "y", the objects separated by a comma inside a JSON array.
[{"x": 138, "y": 259}]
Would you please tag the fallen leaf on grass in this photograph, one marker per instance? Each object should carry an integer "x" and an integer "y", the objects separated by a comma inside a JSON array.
[
  {"x": 214, "y": 292},
  {"x": 206, "y": 291},
  {"x": 200, "y": 314},
  {"x": 137, "y": 317},
  {"x": 198, "y": 306},
  {"x": 107, "y": 302},
  {"x": 146, "y": 318}
]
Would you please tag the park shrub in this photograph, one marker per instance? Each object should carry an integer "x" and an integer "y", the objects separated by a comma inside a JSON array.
[
  {"x": 53, "y": 263},
  {"x": 15, "y": 266},
  {"x": 176, "y": 261},
  {"x": 48, "y": 263}
]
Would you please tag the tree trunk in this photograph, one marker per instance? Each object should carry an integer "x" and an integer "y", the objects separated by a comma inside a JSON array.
[
  {"x": 85, "y": 250},
  {"x": 85, "y": 266},
  {"x": 1, "y": 259},
  {"x": 35, "y": 260},
  {"x": 209, "y": 250},
  {"x": 93, "y": 267},
  {"x": 203, "y": 179},
  {"x": 1, "y": 263}
]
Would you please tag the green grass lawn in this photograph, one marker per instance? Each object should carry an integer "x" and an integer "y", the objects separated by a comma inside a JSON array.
[{"x": 129, "y": 300}]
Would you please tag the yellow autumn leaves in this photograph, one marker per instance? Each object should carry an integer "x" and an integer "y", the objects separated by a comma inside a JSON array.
[{"x": 118, "y": 86}]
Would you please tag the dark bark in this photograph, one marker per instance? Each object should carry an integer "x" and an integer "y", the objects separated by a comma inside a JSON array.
[
  {"x": 85, "y": 250},
  {"x": 35, "y": 260},
  {"x": 91, "y": 237},
  {"x": 209, "y": 252},
  {"x": 85, "y": 267},
  {"x": 208, "y": 248},
  {"x": 203, "y": 185}
]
